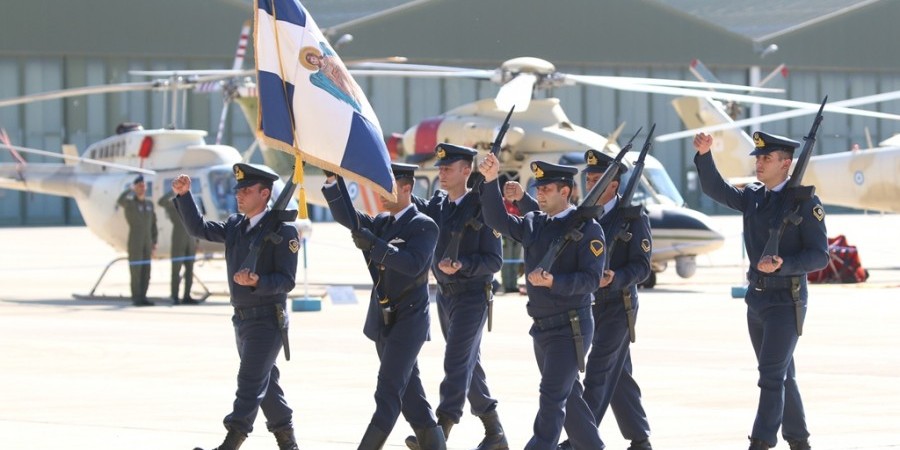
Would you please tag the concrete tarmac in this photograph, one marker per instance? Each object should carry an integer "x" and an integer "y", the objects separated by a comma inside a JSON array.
[{"x": 100, "y": 374}]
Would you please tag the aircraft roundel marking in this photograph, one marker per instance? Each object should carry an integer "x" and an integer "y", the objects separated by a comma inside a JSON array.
[
  {"x": 859, "y": 178},
  {"x": 352, "y": 190},
  {"x": 596, "y": 247},
  {"x": 818, "y": 212}
]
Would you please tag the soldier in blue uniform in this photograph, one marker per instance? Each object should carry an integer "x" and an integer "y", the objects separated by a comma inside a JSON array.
[
  {"x": 142, "y": 236},
  {"x": 777, "y": 294},
  {"x": 398, "y": 246},
  {"x": 608, "y": 380},
  {"x": 559, "y": 297},
  {"x": 259, "y": 298},
  {"x": 464, "y": 294}
]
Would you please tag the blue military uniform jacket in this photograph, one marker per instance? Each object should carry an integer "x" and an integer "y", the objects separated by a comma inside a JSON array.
[
  {"x": 630, "y": 261},
  {"x": 398, "y": 263},
  {"x": 804, "y": 248},
  {"x": 277, "y": 264},
  {"x": 576, "y": 272},
  {"x": 480, "y": 252}
]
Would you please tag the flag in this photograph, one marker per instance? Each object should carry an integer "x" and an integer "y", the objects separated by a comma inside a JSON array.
[{"x": 309, "y": 104}]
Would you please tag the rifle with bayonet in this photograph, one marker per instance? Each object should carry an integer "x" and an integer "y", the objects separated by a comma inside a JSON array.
[
  {"x": 587, "y": 210},
  {"x": 268, "y": 232},
  {"x": 476, "y": 179},
  {"x": 794, "y": 195},
  {"x": 629, "y": 213},
  {"x": 471, "y": 215}
]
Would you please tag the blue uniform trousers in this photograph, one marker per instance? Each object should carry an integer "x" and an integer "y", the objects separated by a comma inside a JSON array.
[
  {"x": 399, "y": 388},
  {"x": 555, "y": 353},
  {"x": 771, "y": 320},
  {"x": 462, "y": 318},
  {"x": 258, "y": 344},
  {"x": 607, "y": 380}
]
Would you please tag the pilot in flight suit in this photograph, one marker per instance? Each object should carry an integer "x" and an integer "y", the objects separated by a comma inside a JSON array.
[
  {"x": 142, "y": 235},
  {"x": 777, "y": 295}
]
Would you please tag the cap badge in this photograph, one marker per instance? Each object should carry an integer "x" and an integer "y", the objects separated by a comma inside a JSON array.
[
  {"x": 538, "y": 173},
  {"x": 441, "y": 154},
  {"x": 592, "y": 159},
  {"x": 238, "y": 173},
  {"x": 758, "y": 141}
]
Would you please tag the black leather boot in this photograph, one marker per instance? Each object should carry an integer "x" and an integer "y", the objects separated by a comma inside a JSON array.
[
  {"x": 374, "y": 438},
  {"x": 432, "y": 438},
  {"x": 640, "y": 444},
  {"x": 494, "y": 438},
  {"x": 564, "y": 445},
  {"x": 758, "y": 444},
  {"x": 285, "y": 439},
  {"x": 233, "y": 441},
  {"x": 446, "y": 423},
  {"x": 799, "y": 445}
]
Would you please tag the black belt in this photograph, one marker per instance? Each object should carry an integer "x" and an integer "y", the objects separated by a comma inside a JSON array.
[
  {"x": 461, "y": 287},
  {"x": 608, "y": 294},
  {"x": 559, "y": 320},
  {"x": 762, "y": 282},
  {"x": 256, "y": 312}
]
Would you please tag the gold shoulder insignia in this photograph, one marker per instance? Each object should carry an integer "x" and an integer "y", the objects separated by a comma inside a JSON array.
[
  {"x": 645, "y": 245},
  {"x": 496, "y": 234},
  {"x": 818, "y": 212},
  {"x": 294, "y": 245},
  {"x": 597, "y": 247}
]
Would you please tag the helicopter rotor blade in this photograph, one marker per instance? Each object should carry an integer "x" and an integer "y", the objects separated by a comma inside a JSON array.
[
  {"x": 516, "y": 92},
  {"x": 613, "y": 81},
  {"x": 75, "y": 92}
]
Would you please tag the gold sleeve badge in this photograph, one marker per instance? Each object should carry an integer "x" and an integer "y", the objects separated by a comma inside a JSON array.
[
  {"x": 496, "y": 234},
  {"x": 596, "y": 247},
  {"x": 818, "y": 212},
  {"x": 645, "y": 245},
  {"x": 294, "y": 245}
]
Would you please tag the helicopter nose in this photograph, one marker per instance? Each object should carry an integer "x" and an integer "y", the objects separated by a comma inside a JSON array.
[{"x": 688, "y": 232}]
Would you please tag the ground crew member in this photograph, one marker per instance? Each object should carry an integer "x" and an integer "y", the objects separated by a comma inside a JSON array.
[
  {"x": 777, "y": 294},
  {"x": 559, "y": 297},
  {"x": 184, "y": 250},
  {"x": 259, "y": 298},
  {"x": 464, "y": 293},
  {"x": 398, "y": 246},
  {"x": 142, "y": 237}
]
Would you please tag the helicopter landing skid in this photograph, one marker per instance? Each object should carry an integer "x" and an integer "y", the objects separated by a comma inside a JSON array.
[{"x": 93, "y": 295}]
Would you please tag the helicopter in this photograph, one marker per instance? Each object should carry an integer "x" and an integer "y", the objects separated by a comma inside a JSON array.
[
  {"x": 864, "y": 179},
  {"x": 96, "y": 177}
]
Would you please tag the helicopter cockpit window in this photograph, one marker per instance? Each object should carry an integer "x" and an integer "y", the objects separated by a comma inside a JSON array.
[
  {"x": 221, "y": 188},
  {"x": 420, "y": 188},
  {"x": 663, "y": 185}
]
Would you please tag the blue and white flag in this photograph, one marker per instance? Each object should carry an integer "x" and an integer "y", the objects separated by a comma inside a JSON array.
[{"x": 309, "y": 103}]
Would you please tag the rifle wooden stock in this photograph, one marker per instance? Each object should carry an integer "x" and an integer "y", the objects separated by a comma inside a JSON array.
[
  {"x": 268, "y": 229},
  {"x": 794, "y": 193}
]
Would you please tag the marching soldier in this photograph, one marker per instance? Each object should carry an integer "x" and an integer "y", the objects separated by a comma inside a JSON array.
[
  {"x": 559, "y": 297},
  {"x": 142, "y": 235},
  {"x": 259, "y": 298},
  {"x": 184, "y": 250},
  {"x": 608, "y": 380},
  {"x": 777, "y": 294},
  {"x": 398, "y": 246},
  {"x": 464, "y": 293}
]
